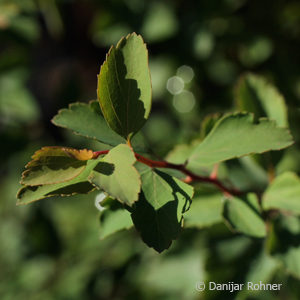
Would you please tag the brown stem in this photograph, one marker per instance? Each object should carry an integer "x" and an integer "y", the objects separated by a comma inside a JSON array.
[{"x": 182, "y": 168}]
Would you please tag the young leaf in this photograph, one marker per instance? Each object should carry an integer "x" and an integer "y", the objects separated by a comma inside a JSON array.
[
  {"x": 117, "y": 176},
  {"x": 206, "y": 210},
  {"x": 86, "y": 120},
  {"x": 158, "y": 213},
  {"x": 236, "y": 135},
  {"x": 242, "y": 215},
  {"x": 124, "y": 86},
  {"x": 51, "y": 165},
  {"x": 255, "y": 94},
  {"x": 78, "y": 185},
  {"x": 283, "y": 193}
]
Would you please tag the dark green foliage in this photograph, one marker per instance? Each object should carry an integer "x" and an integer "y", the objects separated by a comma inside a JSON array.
[{"x": 212, "y": 63}]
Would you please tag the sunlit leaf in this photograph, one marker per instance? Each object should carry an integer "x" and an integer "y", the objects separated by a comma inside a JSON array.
[
  {"x": 255, "y": 94},
  {"x": 237, "y": 135},
  {"x": 86, "y": 120},
  {"x": 117, "y": 176},
  {"x": 114, "y": 218},
  {"x": 51, "y": 165},
  {"x": 78, "y": 185},
  {"x": 124, "y": 86},
  {"x": 283, "y": 193},
  {"x": 206, "y": 210},
  {"x": 242, "y": 215}
]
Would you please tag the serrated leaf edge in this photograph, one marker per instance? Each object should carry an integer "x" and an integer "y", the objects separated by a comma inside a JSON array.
[
  {"x": 260, "y": 120},
  {"x": 28, "y": 165}
]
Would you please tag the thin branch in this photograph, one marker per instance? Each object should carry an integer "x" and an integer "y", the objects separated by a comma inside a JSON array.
[{"x": 182, "y": 168}]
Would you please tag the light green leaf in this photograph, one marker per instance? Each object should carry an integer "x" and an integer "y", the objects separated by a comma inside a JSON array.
[
  {"x": 255, "y": 94},
  {"x": 206, "y": 210},
  {"x": 283, "y": 193},
  {"x": 54, "y": 165},
  {"x": 180, "y": 153},
  {"x": 117, "y": 176},
  {"x": 242, "y": 215},
  {"x": 208, "y": 123},
  {"x": 237, "y": 135},
  {"x": 86, "y": 120},
  {"x": 114, "y": 218},
  {"x": 78, "y": 185},
  {"x": 160, "y": 22},
  {"x": 159, "y": 212},
  {"x": 124, "y": 86}
]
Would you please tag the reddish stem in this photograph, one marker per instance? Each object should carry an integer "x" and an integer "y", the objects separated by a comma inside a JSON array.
[
  {"x": 98, "y": 153},
  {"x": 182, "y": 168}
]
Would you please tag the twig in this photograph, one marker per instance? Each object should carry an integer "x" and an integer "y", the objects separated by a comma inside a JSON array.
[{"x": 182, "y": 168}]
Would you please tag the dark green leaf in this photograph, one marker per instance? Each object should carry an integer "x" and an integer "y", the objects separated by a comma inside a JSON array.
[
  {"x": 159, "y": 212},
  {"x": 124, "y": 86}
]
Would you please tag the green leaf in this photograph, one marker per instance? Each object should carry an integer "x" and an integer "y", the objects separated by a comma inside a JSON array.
[
  {"x": 117, "y": 176},
  {"x": 242, "y": 215},
  {"x": 208, "y": 123},
  {"x": 255, "y": 94},
  {"x": 236, "y": 135},
  {"x": 180, "y": 153},
  {"x": 159, "y": 212},
  {"x": 283, "y": 243},
  {"x": 206, "y": 210},
  {"x": 283, "y": 193},
  {"x": 78, "y": 185},
  {"x": 262, "y": 269},
  {"x": 124, "y": 86},
  {"x": 86, "y": 120},
  {"x": 114, "y": 218},
  {"x": 54, "y": 165}
]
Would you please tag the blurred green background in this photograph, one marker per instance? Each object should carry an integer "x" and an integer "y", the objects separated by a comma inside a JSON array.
[{"x": 50, "y": 54}]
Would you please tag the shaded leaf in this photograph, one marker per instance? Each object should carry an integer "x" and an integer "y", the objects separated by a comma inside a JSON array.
[
  {"x": 92, "y": 125},
  {"x": 159, "y": 212},
  {"x": 51, "y": 165},
  {"x": 255, "y": 94},
  {"x": 236, "y": 135},
  {"x": 117, "y": 176},
  {"x": 124, "y": 86},
  {"x": 284, "y": 243},
  {"x": 78, "y": 185},
  {"x": 283, "y": 193},
  {"x": 262, "y": 269},
  {"x": 242, "y": 215},
  {"x": 206, "y": 210},
  {"x": 86, "y": 120}
]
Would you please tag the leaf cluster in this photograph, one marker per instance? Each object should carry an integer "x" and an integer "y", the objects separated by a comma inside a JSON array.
[{"x": 143, "y": 193}]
